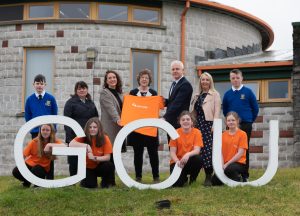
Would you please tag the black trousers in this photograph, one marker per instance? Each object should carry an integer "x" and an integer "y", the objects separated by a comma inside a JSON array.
[
  {"x": 208, "y": 171},
  {"x": 192, "y": 168},
  {"x": 247, "y": 127},
  {"x": 73, "y": 164},
  {"x": 113, "y": 163},
  {"x": 233, "y": 171},
  {"x": 105, "y": 169},
  {"x": 138, "y": 159},
  {"x": 38, "y": 171}
]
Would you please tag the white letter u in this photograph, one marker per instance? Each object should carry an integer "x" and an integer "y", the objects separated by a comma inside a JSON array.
[{"x": 273, "y": 156}]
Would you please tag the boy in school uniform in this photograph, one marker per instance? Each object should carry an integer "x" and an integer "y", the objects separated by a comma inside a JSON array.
[{"x": 38, "y": 104}]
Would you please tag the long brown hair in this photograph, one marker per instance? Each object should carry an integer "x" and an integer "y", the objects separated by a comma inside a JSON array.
[
  {"x": 119, "y": 81},
  {"x": 42, "y": 142},
  {"x": 100, "y": 137}
]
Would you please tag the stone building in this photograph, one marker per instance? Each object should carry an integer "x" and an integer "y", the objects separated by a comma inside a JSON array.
[{"x": 70, "y": 41}]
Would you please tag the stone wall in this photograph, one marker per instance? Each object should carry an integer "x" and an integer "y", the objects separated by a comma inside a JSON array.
[
  {"x": 205, "y": 30},
  {"x": 259, "y": 143}
]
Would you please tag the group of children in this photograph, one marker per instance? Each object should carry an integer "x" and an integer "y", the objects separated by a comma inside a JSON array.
[{"x": 184, "y": 151}]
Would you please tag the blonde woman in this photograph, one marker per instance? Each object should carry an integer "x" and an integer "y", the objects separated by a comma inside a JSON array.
[{"x": 205, "y": 107}]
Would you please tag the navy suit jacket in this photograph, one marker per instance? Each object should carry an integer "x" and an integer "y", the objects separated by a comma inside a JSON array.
[{"x": 178, "y": 101}]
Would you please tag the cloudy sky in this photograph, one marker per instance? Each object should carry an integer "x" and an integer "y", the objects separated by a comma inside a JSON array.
[{"x": 279, "y": 14}]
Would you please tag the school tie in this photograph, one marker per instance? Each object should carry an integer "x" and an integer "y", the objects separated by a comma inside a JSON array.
[
  {"x": 40, "y": 97},
  {"x": 172, "y": 87}
]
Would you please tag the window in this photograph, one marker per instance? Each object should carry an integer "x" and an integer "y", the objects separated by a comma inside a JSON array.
[
  {"x": 145, "y": 59},
  {"x": 222, "y": 87},
  {"x": 41, "y": 11},
  {"x": 38, "y": 61},
  {"x": 8, "y": 13},
  {"x": 146, "y": 15},
  {"x": 278, "y": 90},
  {"x": 129, "y": 13},
  {"x": 71, "y": 11},
  {"x": 265, "y": 90},
  {"x": 113, "y": 12},
  {"x": 254, "y": 86}
]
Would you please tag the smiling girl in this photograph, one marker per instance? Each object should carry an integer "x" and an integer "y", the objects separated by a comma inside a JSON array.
[
  {"x": 99, "y": 151},
  {"x": 234, "y": 146},
  {"x": 185, "y": 150},
  {"x": 38, "y": 155}
]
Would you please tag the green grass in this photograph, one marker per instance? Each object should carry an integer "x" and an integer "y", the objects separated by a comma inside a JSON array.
[{"x": 280, "y": 197}]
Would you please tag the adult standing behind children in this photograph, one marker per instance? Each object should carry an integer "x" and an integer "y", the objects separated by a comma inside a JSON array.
[
  {"x": 241, "y": 100},
  {"x": 81, "y": 108},
  {"x": 39, "y": 103},
  {"x": 205, "y": 107},
  {"x": 139, "y": 141},
  {"x": 179, "y": 95},
  {"x": 111, "y": 102}
]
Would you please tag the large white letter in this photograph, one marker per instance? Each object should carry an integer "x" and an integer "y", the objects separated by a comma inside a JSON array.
[
  {"x": 273, "y": 156},
  {"x": 127, "y": 129},
  {"x": 80, "y": 152}
]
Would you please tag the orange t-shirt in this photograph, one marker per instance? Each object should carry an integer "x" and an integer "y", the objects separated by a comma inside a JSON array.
[
  {"x": 186, "y": 142},
  {"x": 106, "y": 148},
  {"x": 32, "y": 158},
  {"x": 232, "y": 143},
  {"x": 135, "y": 107}
]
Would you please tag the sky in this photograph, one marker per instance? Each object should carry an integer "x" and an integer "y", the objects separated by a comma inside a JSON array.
[{"x": 279, "y": 14}]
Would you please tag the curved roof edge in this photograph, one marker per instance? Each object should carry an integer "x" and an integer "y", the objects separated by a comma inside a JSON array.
[{"x": 264, "y": 28}]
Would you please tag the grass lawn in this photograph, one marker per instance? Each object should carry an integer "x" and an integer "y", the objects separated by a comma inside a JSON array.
[{"x": 280, "y": 197}]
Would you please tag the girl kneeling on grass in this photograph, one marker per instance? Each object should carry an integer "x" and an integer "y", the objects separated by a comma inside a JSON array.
[
  {"x": 38, "y": 155},
  {"x": 234, "y": 146},
  {"x": 185, "y": 150},
  {"x": 99, "y": 149}
]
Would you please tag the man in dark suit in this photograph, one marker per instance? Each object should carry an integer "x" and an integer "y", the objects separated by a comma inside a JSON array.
[{"x": 179, "y": 95}]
